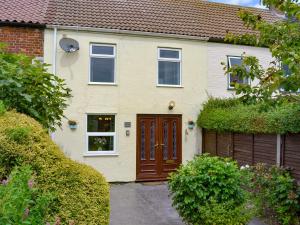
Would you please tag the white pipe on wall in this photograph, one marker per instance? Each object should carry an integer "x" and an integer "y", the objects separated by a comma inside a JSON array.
[
  {"x": 54, "y": 60},
  {"x": 54, "y": 50}
]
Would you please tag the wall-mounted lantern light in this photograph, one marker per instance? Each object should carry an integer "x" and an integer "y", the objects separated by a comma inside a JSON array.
[
  {"x": 72, "y": 124},
  {"x": 191, "y": 124},
  {"x": 171, "y": 105}
]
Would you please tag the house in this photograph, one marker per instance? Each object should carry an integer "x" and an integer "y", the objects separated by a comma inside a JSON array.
[
  {"x": 22, "y": 26},
  {"x": 139, "y": 76}
]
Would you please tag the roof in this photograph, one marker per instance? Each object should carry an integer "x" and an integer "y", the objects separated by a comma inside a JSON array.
[
  {"x": 197, "y": 18},
  {"x": 23, "y": 11}
]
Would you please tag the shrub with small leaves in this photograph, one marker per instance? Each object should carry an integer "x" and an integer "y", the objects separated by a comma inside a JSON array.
[
  {"x": 275, "y": 193},
  {"x": 207, "y": 187},
  {"x": 2, "y": 108},
  {"x": 225, "y": 213},
  {"x": 81, "y": 193},
  {"x": 20, "y": 201},
  {"x": 18, "y": 134}
]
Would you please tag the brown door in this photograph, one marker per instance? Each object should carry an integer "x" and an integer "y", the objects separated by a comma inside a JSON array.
[{"x": 158, "y": 146}]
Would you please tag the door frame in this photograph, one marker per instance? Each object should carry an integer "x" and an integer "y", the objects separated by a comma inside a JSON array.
[{"x": 179, "y": 116}]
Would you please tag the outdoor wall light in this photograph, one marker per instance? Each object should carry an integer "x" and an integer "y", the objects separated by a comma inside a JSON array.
[
  {"x": 72, "y": 124},
  {"x": 191, "y": 124},
  {"x": 171, "y": 105}
]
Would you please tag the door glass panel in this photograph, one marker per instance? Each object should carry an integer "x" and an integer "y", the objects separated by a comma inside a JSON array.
[
  {"x": 174, "y": 140},
  {"x": 165, "y": 141},
  {"x": 143, "y": 141},
  {"x": 152, "y": 141}
]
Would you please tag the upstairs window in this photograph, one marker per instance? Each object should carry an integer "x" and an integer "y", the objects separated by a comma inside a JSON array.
[
  {"x": 169, "y": 67},
  {"x": 286, "y": 70},
  {"x": 101, "y": 133},
  {"x": 232, "y": 80},
  {"x": 102, "y": 64}
]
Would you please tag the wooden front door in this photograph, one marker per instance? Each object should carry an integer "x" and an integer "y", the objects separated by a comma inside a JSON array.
[{"x": 158, "y": 146}]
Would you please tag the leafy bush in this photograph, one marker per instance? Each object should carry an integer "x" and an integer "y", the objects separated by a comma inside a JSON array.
[
  {"x": 18, "y": 134},
  {"x": 2, "y": 108},
  {"x": 276, "y": 194},
  {"x": 214, "y": 213},
  {"x": 207, "y": 187},
  {"x": 81, "y": 193},
  {"x": 231, "y": 115},
  {"x": 20, "y": 201},
  {"x": 30, "y": 89}
]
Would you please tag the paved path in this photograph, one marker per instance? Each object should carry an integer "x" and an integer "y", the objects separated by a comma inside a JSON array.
[{"x": 144, "y": 204}]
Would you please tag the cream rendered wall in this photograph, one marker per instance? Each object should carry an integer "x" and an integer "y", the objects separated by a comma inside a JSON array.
[
  {"x": 217, "y": 53},
  {"x": 136, "y": 92}
]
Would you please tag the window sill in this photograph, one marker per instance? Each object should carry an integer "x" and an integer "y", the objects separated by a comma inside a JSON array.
[
  {"x": 104, "y": 84},
  {"x": 169, "y": 86},
  {"x": 100, "y": 154}
]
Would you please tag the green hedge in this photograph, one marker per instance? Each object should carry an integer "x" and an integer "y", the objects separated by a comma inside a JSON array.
[
  {"x": 82, "y": 194},
  {"x": 231, "y": 115}
]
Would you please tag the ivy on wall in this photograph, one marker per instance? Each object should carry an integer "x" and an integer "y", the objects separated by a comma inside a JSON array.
[{"x": 231, "y": 115}]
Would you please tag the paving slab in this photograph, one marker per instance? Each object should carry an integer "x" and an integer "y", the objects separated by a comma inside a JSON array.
[{"x": 144, "y": 204}]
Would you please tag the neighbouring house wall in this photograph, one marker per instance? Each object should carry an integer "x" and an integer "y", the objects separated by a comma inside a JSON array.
[
  {"x": 217, "y": 85},
  {"x": 136, "y": 92},
  {"x": 23, "y": 40}
]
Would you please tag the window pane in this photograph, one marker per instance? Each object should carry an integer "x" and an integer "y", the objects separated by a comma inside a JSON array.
[
  {"x": 286, "y": 70},
  {"x": 237, "y": 79},
  {"x": 103, "y": 50},
  {"x": 169, "y": 73},
  {"x": 235, "y": 61},
  {"x": 173, "y": 54},
  {"x": 101, "y": 123},
  {"x": 101, "y": 143},
  {"x": 102, "y": 70}
]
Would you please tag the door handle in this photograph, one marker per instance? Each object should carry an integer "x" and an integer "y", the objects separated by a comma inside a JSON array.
[
  {"x": 162, "y": 144},
  {"x": 156, "y": 145}
]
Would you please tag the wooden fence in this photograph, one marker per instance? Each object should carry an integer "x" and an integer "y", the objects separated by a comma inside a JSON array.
[{"x": 249, "y": 149}]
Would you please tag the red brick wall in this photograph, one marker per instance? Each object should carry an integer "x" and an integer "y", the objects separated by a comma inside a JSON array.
[{"x": 23, "y": 40}]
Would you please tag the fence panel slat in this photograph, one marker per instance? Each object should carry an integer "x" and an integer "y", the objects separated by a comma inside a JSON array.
[
  {"x": 209, "y": 142},
  {"x": 243, "y": 148},
  {"x": 291, "y": 154},
  {"x": 265, "y": 148},
  {"x": 224, "y": 145}
]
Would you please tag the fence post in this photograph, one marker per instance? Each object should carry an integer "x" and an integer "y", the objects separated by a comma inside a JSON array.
[{"x": 278, "y": 150}]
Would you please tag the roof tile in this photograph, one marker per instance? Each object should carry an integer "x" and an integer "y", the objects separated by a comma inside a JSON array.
[{"x": 197, "y": 18}]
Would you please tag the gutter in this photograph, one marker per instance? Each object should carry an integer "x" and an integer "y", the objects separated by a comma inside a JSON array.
[
  {"x": 22, "y": 24},
  {"x": 118, "y": 31}
]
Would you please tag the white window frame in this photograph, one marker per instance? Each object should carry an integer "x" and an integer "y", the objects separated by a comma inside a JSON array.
[
  {"x": 160, "y": 59},
  {"x": 104, "y": 134},
  {"x": 229, "y": 65},
  {"x": 281, "y": 89},
  {"x": 102, "y": 56}
]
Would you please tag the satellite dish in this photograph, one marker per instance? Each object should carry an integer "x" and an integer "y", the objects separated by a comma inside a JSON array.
[{"x": 69, "y": 45}]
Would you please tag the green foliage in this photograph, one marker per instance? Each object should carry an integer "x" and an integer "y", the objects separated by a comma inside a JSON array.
[
  {"x": 20, "y": 201},
  {"x": 30, "y": 89},
  {"x": 2, "y": 108},
  {"x": 214, "y": 213},
  {"x": 282, "y": 38},
  {"x": 232, "y": 115},
  {"x": 18, "y": 134},
  {"x": 275, "y": 194},
  {"x": 81, "y": 193},
  {"x": 205, "y": 188}
]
